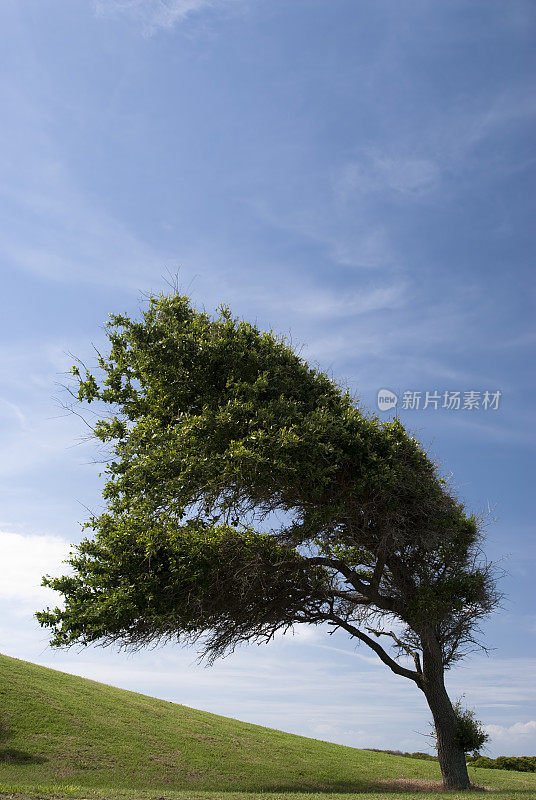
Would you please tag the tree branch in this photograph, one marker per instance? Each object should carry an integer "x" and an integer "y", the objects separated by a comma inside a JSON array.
[
  {"x": 393, "y": 635},
  {"x": 393, "y": 665},
  {"x": 359, "y": 600},
  {"x": 414, "y": 653},
  {"x": 378, "y": 572},
  {"x": 367, "y": 590}
]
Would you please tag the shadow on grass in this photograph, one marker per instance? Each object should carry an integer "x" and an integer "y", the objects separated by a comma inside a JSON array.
[
  {"x": 397, "y": 787},
  {"x": 9, "y": 755}
]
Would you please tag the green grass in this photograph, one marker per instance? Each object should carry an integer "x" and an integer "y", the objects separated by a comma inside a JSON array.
[{"x": 64, "y": 736}]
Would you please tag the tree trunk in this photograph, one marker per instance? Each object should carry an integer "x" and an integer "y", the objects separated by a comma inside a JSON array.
[{"x": 451, "y": 756}]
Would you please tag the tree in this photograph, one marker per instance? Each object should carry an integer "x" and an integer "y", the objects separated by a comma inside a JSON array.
[{"x": 213, "y": 427}]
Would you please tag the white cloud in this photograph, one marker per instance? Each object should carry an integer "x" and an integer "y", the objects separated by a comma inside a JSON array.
[
  {"x": 25, "y": 559},
  {"x": 154, "y": 15},
  {"x": 465, "y": 130},
  {"x": 29, "y": 366},
  {"x": 517, "y": 729},
  {"x": 359, "y": 242},
  {"x": 519, "y": 738},
  {"x": 305, "y": 634}
]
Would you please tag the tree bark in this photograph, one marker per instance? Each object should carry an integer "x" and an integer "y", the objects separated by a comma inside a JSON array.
[{"x": 450, "y": 755}]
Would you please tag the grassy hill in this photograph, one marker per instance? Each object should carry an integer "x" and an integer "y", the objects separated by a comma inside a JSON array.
[{"x": 67, "y": 736}]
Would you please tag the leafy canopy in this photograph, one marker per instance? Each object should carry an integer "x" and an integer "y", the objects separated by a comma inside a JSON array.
[{"x": 217, "y": 429}]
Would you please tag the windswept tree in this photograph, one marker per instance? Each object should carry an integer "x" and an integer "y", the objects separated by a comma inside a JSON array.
[{"x": 212, "y": 427}]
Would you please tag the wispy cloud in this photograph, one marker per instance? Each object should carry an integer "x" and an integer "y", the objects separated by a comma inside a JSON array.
[
  {"x": 376, "y": 172},
  {"x": 447, "y": 147},
  {"x": 496, "y": 683},
  {"x": 13, "y": 411},
  {"x": 75, "y": 241},
  {"x": 498, "y": 431},
  {"x": 359, "y": 242},
  {"x": 366, "y": 249},
  {"x": 51, "y": 226},
  {"x": 154, "y": 15},
  {"x": 324, "y": 303}
]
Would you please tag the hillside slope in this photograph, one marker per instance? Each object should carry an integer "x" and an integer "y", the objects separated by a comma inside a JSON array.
[{"x": 63, "y": 731}]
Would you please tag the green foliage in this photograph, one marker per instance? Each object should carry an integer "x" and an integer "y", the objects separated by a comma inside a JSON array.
[
  {"x": 469, "y": 732},
  {"x": 213, "y": 426},
  {"x": 422, "y": 756},
  {"x": 138, "y": 584},
  {"x": 418, "y": 754},
  {"x": 515, "y": 763},
  {"x": 470, "y": 736}
]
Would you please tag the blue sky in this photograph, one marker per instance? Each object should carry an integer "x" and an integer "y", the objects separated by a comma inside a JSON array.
[{"x": 355, "y": 174}]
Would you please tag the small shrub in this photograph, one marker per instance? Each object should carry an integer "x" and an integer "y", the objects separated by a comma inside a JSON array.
[
  {"x": 484, "y": 762},
  {"x": 517, "y": 763},
  {"x": 469, "y": 734},
  {"x": 424, "y": 756}
]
